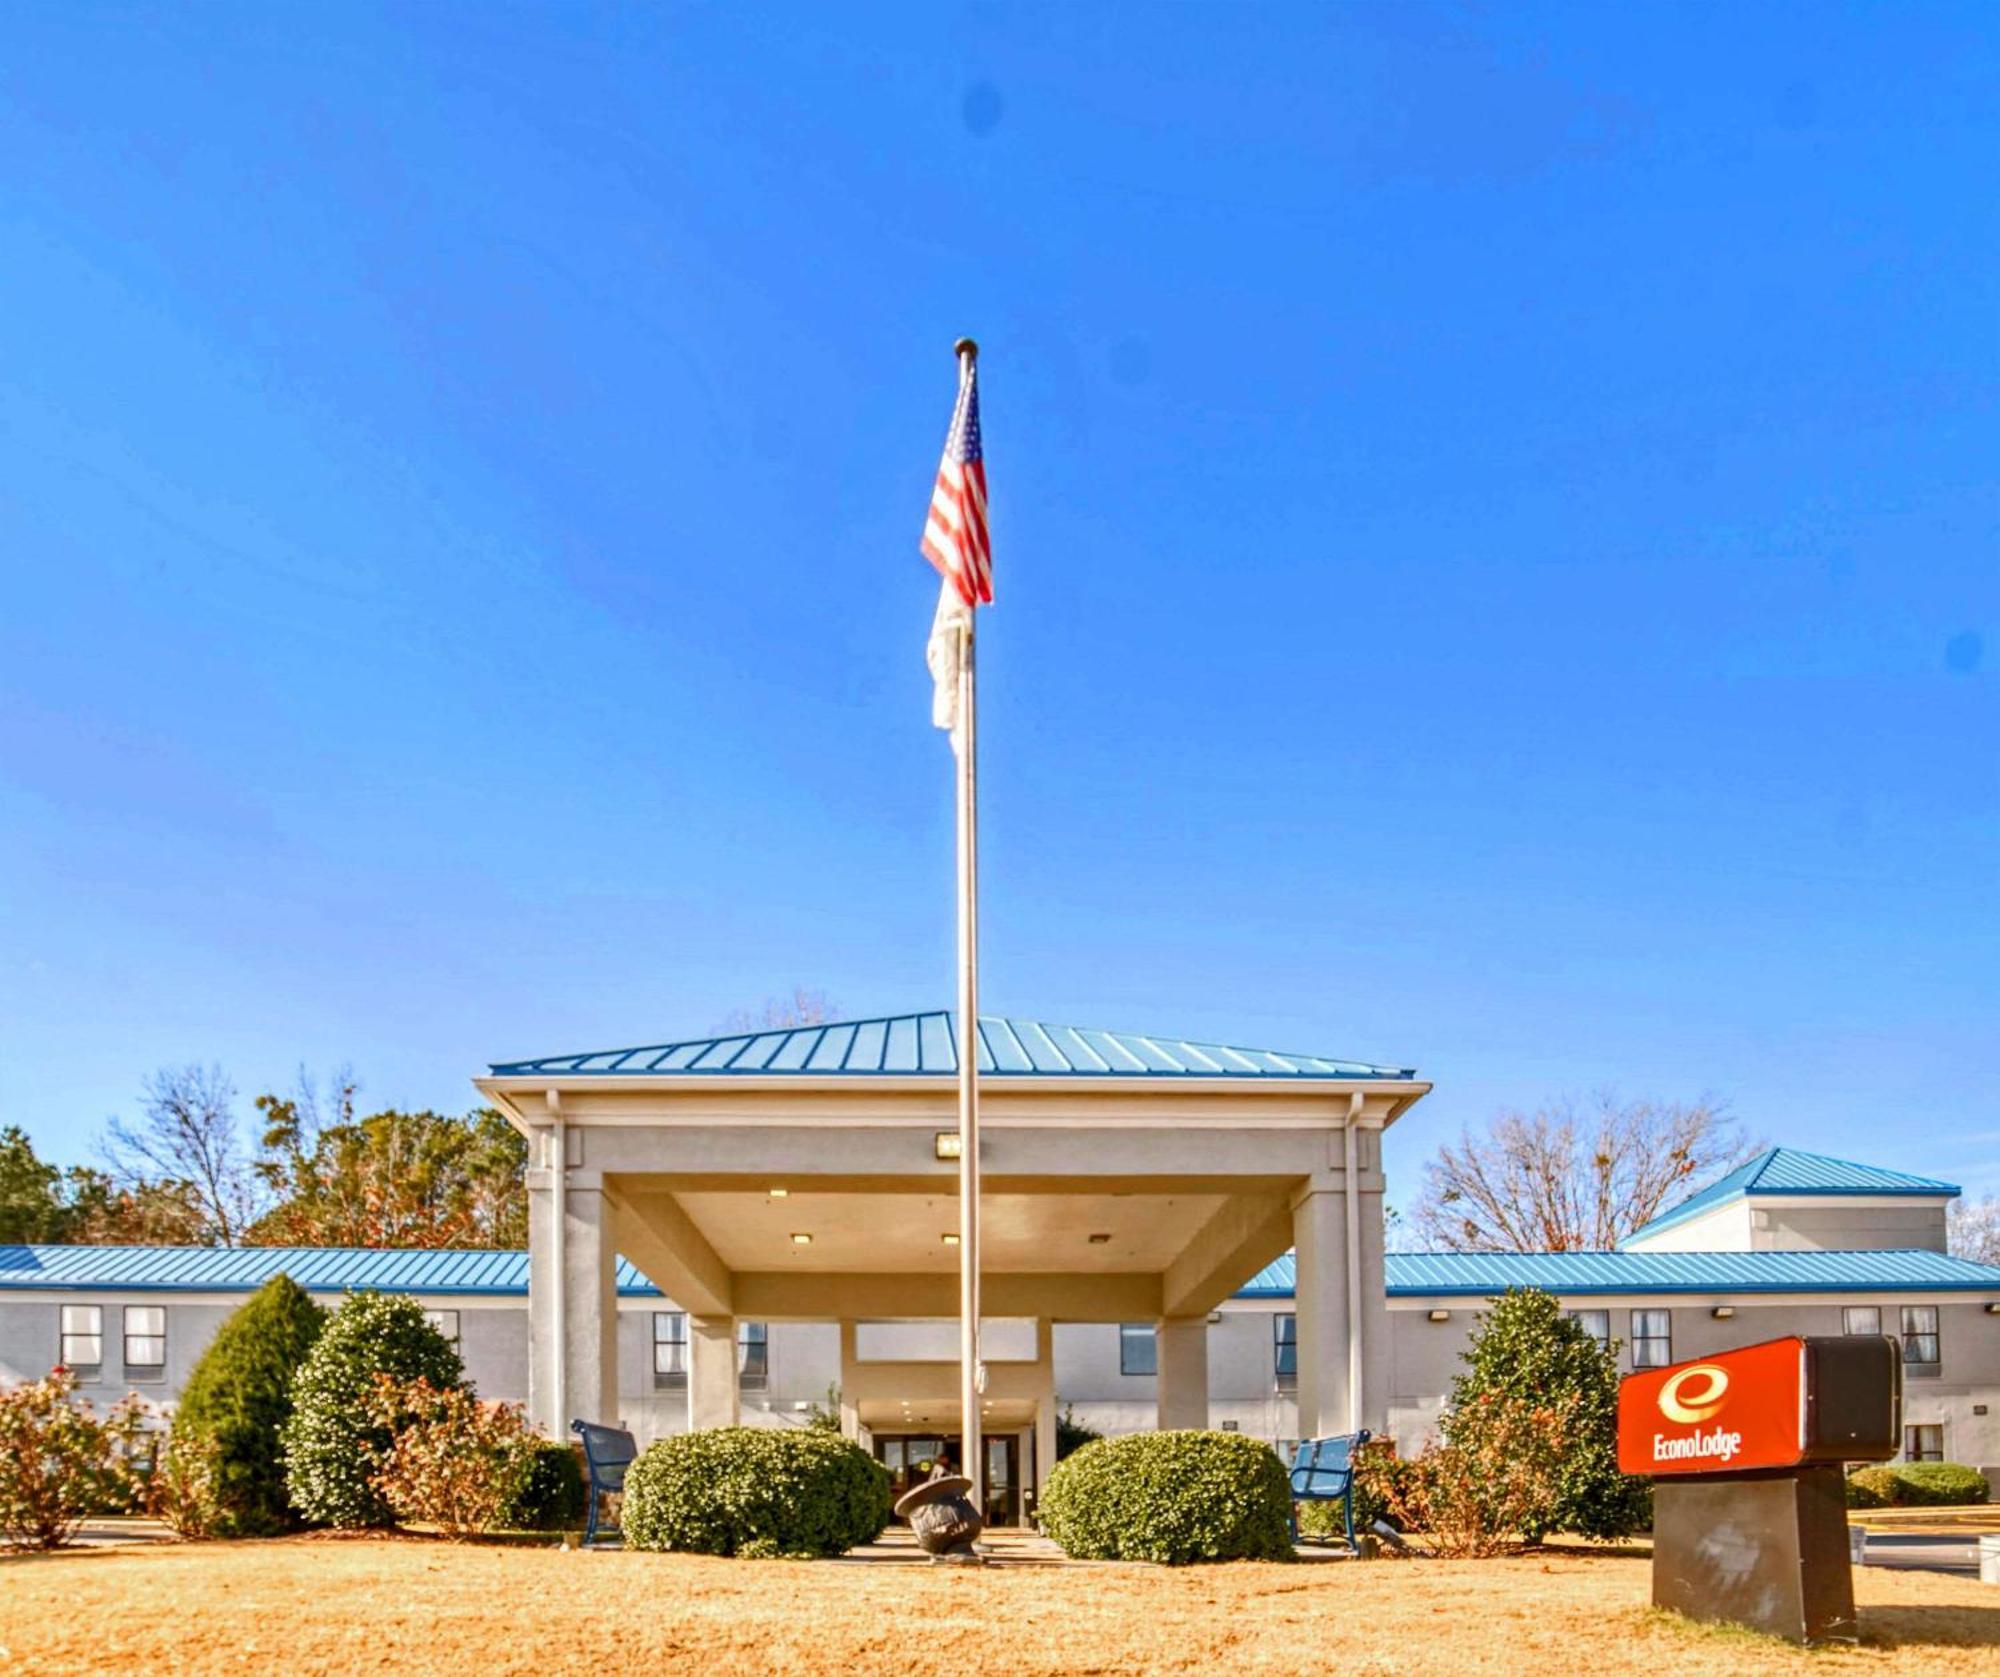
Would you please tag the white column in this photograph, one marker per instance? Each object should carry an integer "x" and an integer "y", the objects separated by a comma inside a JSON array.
[
  {"x": 1319, "y": 1234},
  {"x": 578, "y": 1378},
  {"x": 1374, "y": 1289},
  {"x": 711, "y": 1372},
  {"x": 1045, "y": 1407},
  {"x": 1182, "y": 1345}
]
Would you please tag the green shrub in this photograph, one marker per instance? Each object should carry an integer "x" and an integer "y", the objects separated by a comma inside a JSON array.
[
  {"x": 1916, "y": 1485},
  {"x": 1172, "y": 1497},
  {"x": 237, "y": 1400},
  {"x": 330, "y": 1444},
  {"x": 755, "y": 1491},
  {"x": 451, "y": 1460},
  {"x": 1528, "y": 1351},
  {"x": 552, "y": 1498}
]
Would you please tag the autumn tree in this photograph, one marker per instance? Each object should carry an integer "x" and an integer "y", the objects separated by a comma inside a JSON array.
[
  {"x": 1572, "y": 1176},
  {"x": 39, "y": 1202},
  {"x": 422, "y": 1179},
  {"x": 784, "y": 1013},
  {"x": 186, "y": 1142}
]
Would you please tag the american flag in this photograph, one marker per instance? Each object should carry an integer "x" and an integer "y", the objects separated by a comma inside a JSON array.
[{"x": 955, "y": 535}]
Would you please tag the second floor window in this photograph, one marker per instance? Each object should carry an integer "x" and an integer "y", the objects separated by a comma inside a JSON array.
[
  {"x": 1596, "y": 1323},
  {"x": 1920, "y": 1336},
  {"x": 753, "y": 1353},
  {"x": 1652, "y": 1339},
  {"x": 82, "y": 1344},
  {"x": 670, "y": 1347},
  {"x": 145, "y": 1341},
  {"x": 1285, "y": 1350},
  {"x": 1861, "y": 1321},
  {"x": 1138, "y": 1350}
]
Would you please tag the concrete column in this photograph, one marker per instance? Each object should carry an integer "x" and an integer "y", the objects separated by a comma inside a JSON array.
[
  {"x": 1374, "y": 1290},
  {"x": 578, "y": 1378},
  {"x": 1319, "y": 1239},
  {"x": 1045, "y": 1408},
  {"x": 1182, "y": 1344},
  {"x": 711, "y": 1372},
  {"x": 850, "y": 1409}
]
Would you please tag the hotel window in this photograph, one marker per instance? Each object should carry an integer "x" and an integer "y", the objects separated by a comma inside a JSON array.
[
  {"x": 1652, "y": 1339},
  {"x": 1596, "y": 1323},
  {"x": 1138, "y": 1350},
  {"x": 446, "y": 1323},
  {"x": 1920, "y": 1337},
  {"x": 753, "y": 1354},
  {"x": 1861, "y": 1321},
  {"x": 145, "y": 1342},
  {"x": 1923, "y": 1444},
  {"x": 670, "y": 1348},
  {"x": 1285, "y": 1351},
  {"x": 82, "y": 1346}
]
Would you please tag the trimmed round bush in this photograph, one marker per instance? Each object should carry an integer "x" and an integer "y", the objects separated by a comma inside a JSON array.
[
  {"x": 1871, "y": 1487},
  {"x": 1939, "y": 1484},
  {"x": 331, "y": 1448},
  {"x": 1171, "y": 1497},
  {"x": 552, "y": 1497},
  {"x": 236, "y": 1402},
  {"x": 755, "y": 1491}
]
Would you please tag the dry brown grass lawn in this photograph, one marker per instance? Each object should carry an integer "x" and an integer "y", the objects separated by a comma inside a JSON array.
[{"x": 422, "y": 1608}]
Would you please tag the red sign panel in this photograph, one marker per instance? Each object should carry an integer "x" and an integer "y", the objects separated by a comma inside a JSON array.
[{"x": 1728, "y": 1413}]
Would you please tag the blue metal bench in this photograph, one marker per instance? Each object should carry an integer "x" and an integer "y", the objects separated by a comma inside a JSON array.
[
  {"x": 1323, "y": 1471},
  {"x": 607, "y": 1452}
]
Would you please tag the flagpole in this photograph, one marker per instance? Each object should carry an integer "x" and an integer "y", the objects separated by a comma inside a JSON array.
[{"x": 972, "y": 1375}]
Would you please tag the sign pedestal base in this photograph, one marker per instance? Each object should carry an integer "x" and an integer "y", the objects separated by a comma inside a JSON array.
[{"x": 1767, "y": 1550}]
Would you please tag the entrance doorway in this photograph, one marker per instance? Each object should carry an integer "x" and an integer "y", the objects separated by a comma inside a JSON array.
[{"x": 910, "y": 1457}]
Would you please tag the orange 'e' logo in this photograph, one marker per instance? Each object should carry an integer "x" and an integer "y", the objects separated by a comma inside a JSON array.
[{"x": 1677, "y": 1403}]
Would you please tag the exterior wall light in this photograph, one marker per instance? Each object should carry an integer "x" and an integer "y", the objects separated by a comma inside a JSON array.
[
  {"x": 1100, "y": 1240},
  {"x": 949, "y": 1239},
  {"x": 1993, "y": 1309},
  {"x": 802, "y": 1240},
  {"x": 777, "y": 1193},
  {"x": 1440, "y": 1315},
  {"x": 1722, "y": 1312},
  {"x": 948, "y": 1144}
]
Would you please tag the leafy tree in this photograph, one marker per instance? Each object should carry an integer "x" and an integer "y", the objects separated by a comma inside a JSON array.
[
  {"x": 237, "y": 1402},
  {"x": 1528, "y": 1355},
  {"x": 1071, "y": 1434},
  {"x": 1567, "y": 1178},
  {"x": 784, "y": 1013},
  {"x": 98, "y": 1212},
  {"x": 421, "y": 1179},
  {"x": 30, "y": 1208},
  {"x": 330, "y": 1443}
]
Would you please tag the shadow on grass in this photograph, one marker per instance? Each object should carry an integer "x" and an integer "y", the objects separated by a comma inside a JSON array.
[{"x": 1881, "y": 1627}]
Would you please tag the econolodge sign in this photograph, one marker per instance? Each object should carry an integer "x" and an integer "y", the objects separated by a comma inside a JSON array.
[{"x": 1734, "y": 1412}]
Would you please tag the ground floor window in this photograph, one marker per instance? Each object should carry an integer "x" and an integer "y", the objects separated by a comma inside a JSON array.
[
  {"x": 1861, "y": 1321},
  {"x": 145, "y": 1342},
  {"x": 1923, "y": 1444},
  {"x": 1138, "y": 1348},
  {"x": 446, "y": 1323},
  {"x": 1920, "y": 1337},
  {"x": 1285, "y": 1350},
  {"x": 670, "y": 1347},
  {"x": 1652, "y": 1338},
  {"x": 82, "y": 1346},
  {"x": 753, "y": 1354}
]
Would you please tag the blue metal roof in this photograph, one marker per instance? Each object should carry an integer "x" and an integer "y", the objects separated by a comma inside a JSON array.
[
  {"x": 320, "y": 1269},
  {"x": 925, "y": 1045},
  {"x": 1482, "y": 1274},
  {"x": 1787, "y": 1170},
  {"x": 204, "y": 1269}
]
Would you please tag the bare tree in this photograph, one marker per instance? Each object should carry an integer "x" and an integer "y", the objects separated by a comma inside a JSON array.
[
  {"x": 1974, "y": 1229},
  {"x": 1572, "y": 1176},
  {"x": 186, "y": 1139},
  {"x": 784, "y": 1013}
]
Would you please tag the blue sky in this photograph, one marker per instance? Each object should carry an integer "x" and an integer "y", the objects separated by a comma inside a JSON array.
[{"x": 1494, "y": 508}]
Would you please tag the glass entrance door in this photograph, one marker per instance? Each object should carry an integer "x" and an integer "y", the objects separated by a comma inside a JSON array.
[{"x": 909, "y": 1457}]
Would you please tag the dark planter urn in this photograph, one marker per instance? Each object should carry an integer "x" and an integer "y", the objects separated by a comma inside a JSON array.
[{"x": 943, "y": 1518}]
